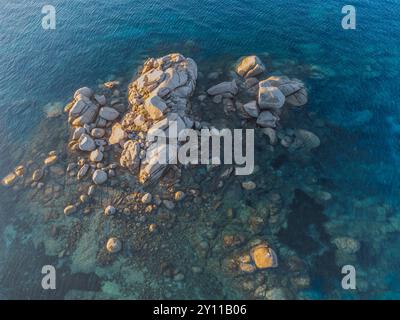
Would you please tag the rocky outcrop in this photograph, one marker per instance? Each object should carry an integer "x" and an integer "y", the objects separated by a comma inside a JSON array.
[{"x": 158, "y": 97}]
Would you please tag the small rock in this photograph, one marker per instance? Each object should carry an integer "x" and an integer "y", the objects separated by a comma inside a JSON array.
[
  {"x": 169, "y": 204},
  {"x": 109, "y": 113},
  {"x": 9, "y": 180},
  {"x": 98, "y": 133},
  {"x": 179, "y": 195},
  {"x": 110, "y": 210},
  {"x": 70, "y": 209},
  {"x": 37, "y": 175},
  {"x": 91, "y": 190},
  {"x": 99, "y": 177},
  {"x": 113, "y": 245},
  {"x": 96, "y": 156},
  {"x": 83, "y": 171},
  {"x": 146, "y": 198},
  {"x": 86, "y": 143},
  {"x": 19, "y": 171},
  {"x": 50, "y": 160},
  {"x": 83, "y": 198},
  {"x": 249, "y": 185}
]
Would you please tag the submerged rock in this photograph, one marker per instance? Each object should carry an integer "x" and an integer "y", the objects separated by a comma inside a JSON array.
[
  {"x": 113, "y": 245},
  {"x": 267, "y": 120},
  {"x": 249, "y": 185},
  {"x": 305, "y": 139},
  {"x": 70, "y": 209},
  {"x": 271, "y": 134},
  {"x": 250, "y": 66},
  {"x": 263, "y": 256},
  {"x": 9, "y": 180},
  {"x": 347, "y": 245},
  {"x": 38, "y": 174},
  {"x": 110, "y": 210},
  {"x": 50, "y": 160}
]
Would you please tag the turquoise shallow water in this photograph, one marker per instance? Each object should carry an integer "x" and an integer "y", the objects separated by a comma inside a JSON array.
[{"x": 352, "y": 78}]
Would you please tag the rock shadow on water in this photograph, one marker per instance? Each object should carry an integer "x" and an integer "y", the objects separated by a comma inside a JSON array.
[{"x": 306, "y": 234}]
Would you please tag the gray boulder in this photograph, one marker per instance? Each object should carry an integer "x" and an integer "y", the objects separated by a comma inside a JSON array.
[
  {"x": 109, "y": 113},
  {"x": 224, "y": 87},
  {"x": 270, "y": 97},
  {"x": 252, "y": 109}
]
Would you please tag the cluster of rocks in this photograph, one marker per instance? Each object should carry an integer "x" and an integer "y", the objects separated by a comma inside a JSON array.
[
  {"x": 271, "y": 94},
  {"x": 26, "y": 175}
]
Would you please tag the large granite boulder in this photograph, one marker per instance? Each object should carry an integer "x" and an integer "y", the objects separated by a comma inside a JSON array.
[{"x": 250, "y": 66}]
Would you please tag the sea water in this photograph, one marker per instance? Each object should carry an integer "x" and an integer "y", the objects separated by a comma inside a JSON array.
[{"x": 352, "y": 78}]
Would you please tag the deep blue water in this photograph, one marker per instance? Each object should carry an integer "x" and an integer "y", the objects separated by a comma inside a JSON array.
[{"x": 358, "y": 93}]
